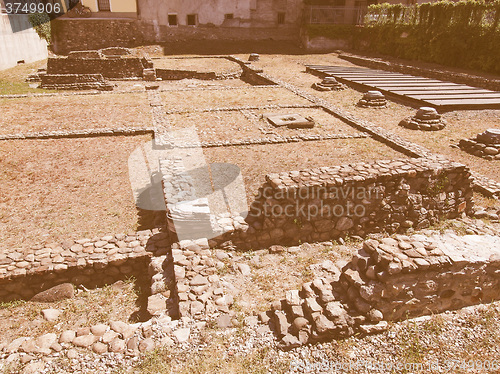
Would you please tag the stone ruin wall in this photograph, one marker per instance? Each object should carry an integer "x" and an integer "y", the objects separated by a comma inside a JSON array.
[
  {"x": 355, "y": 199},
  {"x": 88, "y": 262},
  {"x": 389, "y": 280},
  {"x": 83, "y": 34},
  {"x": 108, "y": 67}
]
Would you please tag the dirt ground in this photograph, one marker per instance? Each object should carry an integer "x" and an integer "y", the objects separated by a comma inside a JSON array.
[
  {"x": 461, "y": 124},
  {"x": 258, "y": 160},
  {"x": 54, "y": 190},
  {"x": 250, "y": 97},
  {"x": 77, "y": 112},
  {"x": 206, "y": 65}
]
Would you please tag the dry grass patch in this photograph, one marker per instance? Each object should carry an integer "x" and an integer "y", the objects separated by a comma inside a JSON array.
[
  {"x": 253, "y": 97},
  {"x": 117, "y": 302},
  {"x": 461, "y": 124},
  {"x": 275, "y": 273},
  {"x": 65, "y": 189},
  {"x": 238, "y": 125},
  {"x": 13, "y": 80},
  {"x": 257, "y": 161},
  {"x": 74, "y": 112},
  {"x": 213, "y": 357}
]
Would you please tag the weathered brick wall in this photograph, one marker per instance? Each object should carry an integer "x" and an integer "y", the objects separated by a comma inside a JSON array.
[{"x": 80, "y": 35}]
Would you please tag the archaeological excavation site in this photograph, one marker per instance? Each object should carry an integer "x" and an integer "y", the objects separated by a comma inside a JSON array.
[{"x": 246, "y": 213}]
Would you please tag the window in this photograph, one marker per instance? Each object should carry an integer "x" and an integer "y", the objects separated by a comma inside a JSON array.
[
  {"x": 172, "y": 20},
  {"x": 228, "y": 16},
  {"x": 191, "y": 19},
  {"x": 281, "y": 18},
  {"x": 104, "y": 5}
]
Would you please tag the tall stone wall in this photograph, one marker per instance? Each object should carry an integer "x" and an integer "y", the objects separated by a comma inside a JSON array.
[
  {"x": 355, "y": 199},
  {"x": 86, "y": 34}
]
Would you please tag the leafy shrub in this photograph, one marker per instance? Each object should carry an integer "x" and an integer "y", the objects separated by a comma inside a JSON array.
[{"x": 41, "y": 24}]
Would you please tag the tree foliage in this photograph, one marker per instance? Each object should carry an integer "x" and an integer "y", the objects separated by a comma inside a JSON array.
[
  {"x": 41, "y": 24},
  {"x": 462, "y": 34}
]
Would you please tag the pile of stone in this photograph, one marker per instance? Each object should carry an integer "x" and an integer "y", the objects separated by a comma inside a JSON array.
[
  {"x": 117, "y": 337},
  {"x": 486, "y": 144},
  {"x": 373, "y": 99},
  {"x": 329, "y": 84},
  {"x": 426, "y": 119},
  {"x": 389, "y": 280},
  {"x": 36, "y": 77},
  {"x": 254, "y": 57},
  {"x": 199, "y": 291}
]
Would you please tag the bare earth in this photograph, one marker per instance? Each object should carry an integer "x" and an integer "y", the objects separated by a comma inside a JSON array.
[{"x": 53, "y": 190}]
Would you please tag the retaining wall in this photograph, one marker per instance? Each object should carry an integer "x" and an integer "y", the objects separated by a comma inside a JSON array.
[
  {"x": 89, "y": 262},
  {"x": 355, "y": 199},
  {"x": 390, "y": 280}
]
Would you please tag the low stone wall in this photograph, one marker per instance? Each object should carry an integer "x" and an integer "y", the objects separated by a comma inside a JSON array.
[
  {"x": 355, "y": 199},
  {"x": 168, "y": 74},
  {"x": 75, "y": 82},
  {"x": 108, "y": 67},
  {"x": 251, "y": 74},
  {"x": 89, "y": 262},
  {"x": 390, "y": 280}
]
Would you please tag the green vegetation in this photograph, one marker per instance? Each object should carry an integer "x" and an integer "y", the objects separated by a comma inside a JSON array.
[
  {"x": 13, "y": 80},
  {"x": 41, "y": 24},
  {"x": 462, "y": 34}
]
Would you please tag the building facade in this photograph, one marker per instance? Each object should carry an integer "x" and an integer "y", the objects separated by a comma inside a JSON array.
[
  {"x": 134, "y": 22},
  {"x": 19, "y": 43}
]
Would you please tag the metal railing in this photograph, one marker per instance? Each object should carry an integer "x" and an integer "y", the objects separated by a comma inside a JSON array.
[{"x": 334, "y": 15}]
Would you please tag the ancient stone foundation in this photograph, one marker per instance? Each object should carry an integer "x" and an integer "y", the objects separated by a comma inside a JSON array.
[
  {"x": 486, "y": 145},
  {"x": 87, "y": 262},
  {"x": 426, "y": 119},
  {"x": 329, "y": 84},
  {"x": 75, "y": 82},
  {"x": 373, "y": 99},
  {"x": 390, "y": 280},
  {"x": 109, "y": 63},
  {"x": 355, "y": 199}
]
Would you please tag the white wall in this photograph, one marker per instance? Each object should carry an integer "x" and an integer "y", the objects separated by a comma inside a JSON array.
[
  {"x": 22, "y": 45},
  {"x": 245, "y": 12}
]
